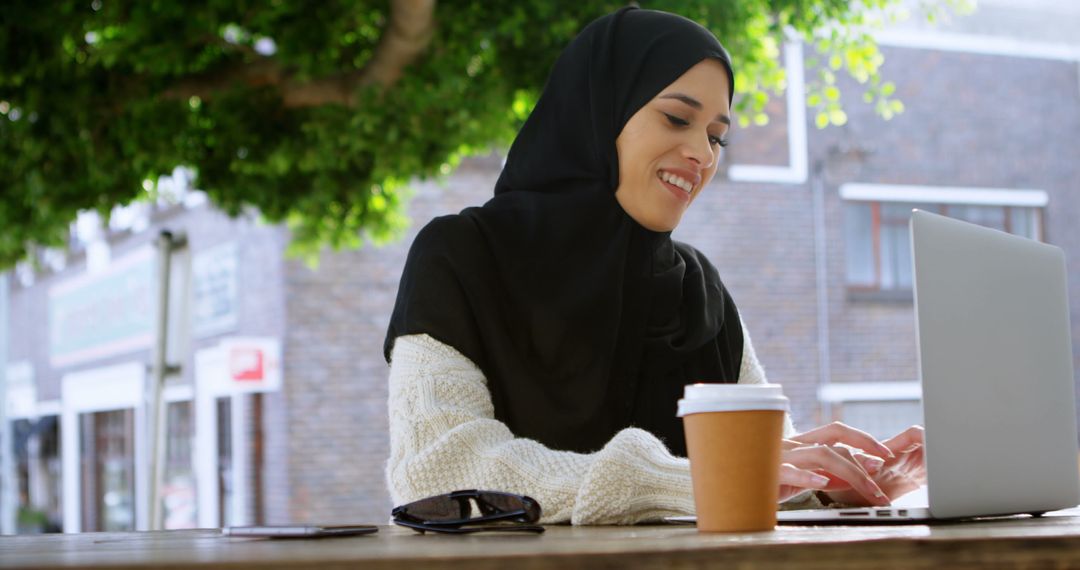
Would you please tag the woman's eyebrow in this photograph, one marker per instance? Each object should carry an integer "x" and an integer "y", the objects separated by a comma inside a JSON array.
[{"x": 696, "y": 105}]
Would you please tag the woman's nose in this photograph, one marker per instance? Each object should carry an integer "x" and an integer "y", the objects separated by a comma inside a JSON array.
[{"x": 700, "y": 150}]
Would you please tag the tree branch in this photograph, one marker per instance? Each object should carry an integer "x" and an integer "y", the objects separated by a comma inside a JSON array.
[{"x": 407, "y": 34}]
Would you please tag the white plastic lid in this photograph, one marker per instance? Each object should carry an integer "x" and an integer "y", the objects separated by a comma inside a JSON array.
[{"x": 701, "y": 398}]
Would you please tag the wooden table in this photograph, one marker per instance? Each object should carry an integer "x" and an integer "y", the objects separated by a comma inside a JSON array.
[{"x": 1050, "y": 542}]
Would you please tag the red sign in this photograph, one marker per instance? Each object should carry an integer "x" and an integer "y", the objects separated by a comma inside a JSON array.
[
  {"x": 251, "y": 364},
  {"x": 246, "y": 364}
]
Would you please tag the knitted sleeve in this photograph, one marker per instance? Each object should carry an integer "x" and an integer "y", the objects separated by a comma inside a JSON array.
[{"x": 443, "y": 436}]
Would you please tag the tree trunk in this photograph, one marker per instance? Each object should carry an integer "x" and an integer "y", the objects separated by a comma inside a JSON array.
[{"x": 407, "y": 34}]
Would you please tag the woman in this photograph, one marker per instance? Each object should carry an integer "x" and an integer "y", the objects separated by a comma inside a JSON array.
[{"x": 539, "y": 343}]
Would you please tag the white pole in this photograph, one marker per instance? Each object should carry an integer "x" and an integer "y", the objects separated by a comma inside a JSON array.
[
  {"x": 7, "y": 456},
  {"x": 155, "y": 417}
]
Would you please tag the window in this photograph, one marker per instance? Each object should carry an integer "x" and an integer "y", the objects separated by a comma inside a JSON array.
[
  {"x": 37, "y": 474},
  {"x": 108, "y": 470},
  {"x": 879, "y": 247},
  {"x": 178, "y": 490},
  {"x": 882, "y": 409}
]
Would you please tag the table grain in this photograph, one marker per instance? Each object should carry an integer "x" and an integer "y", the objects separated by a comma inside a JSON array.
[{"x": 1052, "y": 541}]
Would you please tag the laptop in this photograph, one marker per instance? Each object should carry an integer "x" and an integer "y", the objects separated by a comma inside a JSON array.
[{"x": 996, "y": 367}]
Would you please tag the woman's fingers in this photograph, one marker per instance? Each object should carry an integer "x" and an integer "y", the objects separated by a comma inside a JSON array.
[
  {"x": 837, "y": 432},
  {"x": 907, "y": 440},
  {"x": 838, "y": 463},
  {"x": 802, "y": 478},
  {"x": 872, "y": 464}
]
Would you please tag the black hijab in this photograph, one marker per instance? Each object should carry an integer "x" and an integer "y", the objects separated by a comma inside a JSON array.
[{"x": 583, "y": 321}]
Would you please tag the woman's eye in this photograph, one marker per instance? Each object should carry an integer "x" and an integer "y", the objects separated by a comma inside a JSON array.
[
  {"x": 676, "y": 121},
  {"x": 683, "y": 122}
]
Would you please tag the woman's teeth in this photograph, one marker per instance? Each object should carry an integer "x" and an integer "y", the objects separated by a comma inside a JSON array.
[{"x": 675, "y": 180}]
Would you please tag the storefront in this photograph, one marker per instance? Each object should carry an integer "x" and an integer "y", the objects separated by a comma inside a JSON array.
[
  {"x": 81, "y": 460},
  {"x": 35, "y": 427}
]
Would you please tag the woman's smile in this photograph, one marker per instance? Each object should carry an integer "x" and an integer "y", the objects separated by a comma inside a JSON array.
[{"x": 678, "y": 186}]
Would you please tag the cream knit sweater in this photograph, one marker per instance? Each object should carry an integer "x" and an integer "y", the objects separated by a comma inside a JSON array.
[{"x": 444, "y": 436}]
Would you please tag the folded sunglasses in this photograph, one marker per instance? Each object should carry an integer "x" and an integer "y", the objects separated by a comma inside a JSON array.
[{"x": 454, "y": 513}]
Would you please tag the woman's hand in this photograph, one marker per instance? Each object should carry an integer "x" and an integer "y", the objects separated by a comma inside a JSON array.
[
  {"x": 899, "y": 475},
  {"x": 864, "y": 444},
  {"x": 851, "y": 465},
  {"x": 824, "y": 467}
]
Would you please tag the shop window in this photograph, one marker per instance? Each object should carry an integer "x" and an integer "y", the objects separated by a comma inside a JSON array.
[
  {"x": 47, "y": 484},
  {"x": 26, "y": 518},
  {"x": 225, "y": 461},
  {"x": 107, "y": 446},
  {"x": 878, "y": 241},
  {"x": 178, "y": 491},
  {"x": 37, "y": 475}
]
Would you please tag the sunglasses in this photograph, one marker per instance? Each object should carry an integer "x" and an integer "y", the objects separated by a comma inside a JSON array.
[{"x": 454, "y": 513}]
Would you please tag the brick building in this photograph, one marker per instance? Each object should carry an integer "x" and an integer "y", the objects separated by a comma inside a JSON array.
[{"x": 807, "y": 228}]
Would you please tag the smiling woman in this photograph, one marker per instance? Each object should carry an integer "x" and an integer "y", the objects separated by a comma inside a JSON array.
[{"x": 539, "y": 343}]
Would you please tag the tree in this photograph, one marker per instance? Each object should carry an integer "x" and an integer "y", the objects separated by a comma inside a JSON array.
[{"x": 318, "y": 114}]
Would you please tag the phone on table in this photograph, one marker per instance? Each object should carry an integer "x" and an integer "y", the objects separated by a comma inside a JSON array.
[{"x": 299, "y": 531}]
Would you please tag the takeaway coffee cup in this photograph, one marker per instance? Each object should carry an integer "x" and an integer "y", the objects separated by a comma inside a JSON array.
[{"x": 733, "y": 436}]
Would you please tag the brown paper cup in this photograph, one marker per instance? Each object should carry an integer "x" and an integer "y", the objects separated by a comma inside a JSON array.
[
  {"x": 733, "y": 437},
  {"x": 735, "y": 465}
]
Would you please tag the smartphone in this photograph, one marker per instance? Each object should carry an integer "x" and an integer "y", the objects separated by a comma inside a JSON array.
[{"x": 299, "y": 531}]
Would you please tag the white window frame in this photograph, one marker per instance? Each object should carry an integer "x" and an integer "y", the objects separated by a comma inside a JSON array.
[
  {"x": 976, "y": 43},
  {"x": 840, "y": 392},
  {"x": 796, "y": 171},
  {"x": 975, "y": 196}
]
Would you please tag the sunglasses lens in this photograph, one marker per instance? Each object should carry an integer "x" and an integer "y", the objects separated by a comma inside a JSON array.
[
  {"x": 532, "y": 509},
  {"x": 435, "y": 509},
  {"x": 505, "y": 503}
]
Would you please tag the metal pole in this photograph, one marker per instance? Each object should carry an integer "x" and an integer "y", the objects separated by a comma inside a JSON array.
[
  {"x": 155, "y": 417},
  {"x": 817, "y": 187},
  {"x": 7, "y": 455}
]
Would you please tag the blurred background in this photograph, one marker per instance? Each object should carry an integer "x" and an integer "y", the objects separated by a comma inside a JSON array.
[{"x": 206, "y": 209}]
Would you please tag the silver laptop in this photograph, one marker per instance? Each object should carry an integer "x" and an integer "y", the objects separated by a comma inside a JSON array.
[{"x": 996, "y": 366}]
